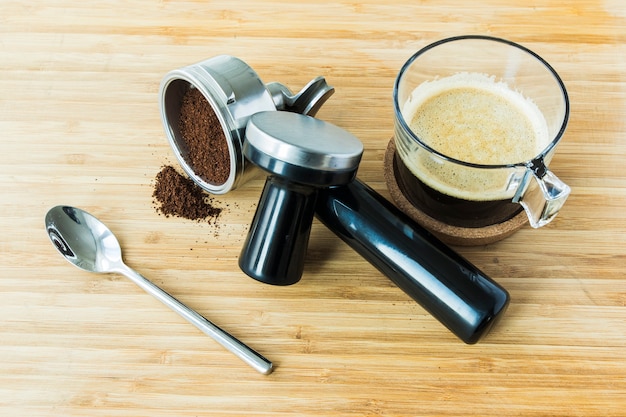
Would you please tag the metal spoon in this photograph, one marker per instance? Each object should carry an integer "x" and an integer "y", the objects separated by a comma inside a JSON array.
[{"x": 90, "y": 245}]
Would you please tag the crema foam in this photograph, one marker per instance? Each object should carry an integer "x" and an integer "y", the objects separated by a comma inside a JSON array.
[{"x": 472, "y": 118}]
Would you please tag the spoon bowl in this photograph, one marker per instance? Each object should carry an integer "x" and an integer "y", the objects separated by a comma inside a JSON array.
[
  {"x": 83, "y": 240},
  {"x": 88, "y": 244}
]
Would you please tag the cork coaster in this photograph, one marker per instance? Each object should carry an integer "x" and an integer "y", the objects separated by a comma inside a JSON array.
[{"x": 452, "y": 235}]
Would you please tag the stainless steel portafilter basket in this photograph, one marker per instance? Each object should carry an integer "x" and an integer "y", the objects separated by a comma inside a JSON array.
[{"x": 235, "y": 92}]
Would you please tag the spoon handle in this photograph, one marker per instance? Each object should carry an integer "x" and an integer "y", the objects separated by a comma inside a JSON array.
[{"x": 245, "y": 353}]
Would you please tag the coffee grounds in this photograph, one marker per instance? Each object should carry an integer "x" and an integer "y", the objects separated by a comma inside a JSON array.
[
  {"x": 202, "y": 132},
  {"x": 177, "y": 195}
]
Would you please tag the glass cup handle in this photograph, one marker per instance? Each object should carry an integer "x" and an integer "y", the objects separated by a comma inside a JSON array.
[{"x": 541, "y": 193}]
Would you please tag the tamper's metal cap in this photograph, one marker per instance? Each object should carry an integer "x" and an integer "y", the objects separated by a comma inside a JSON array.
[{"x": 302, "y": 149}]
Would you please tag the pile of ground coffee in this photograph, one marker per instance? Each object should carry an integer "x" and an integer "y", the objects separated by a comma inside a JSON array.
[
  {"x": 202, "y": 132},
  {"x": 177, "y": 195}
]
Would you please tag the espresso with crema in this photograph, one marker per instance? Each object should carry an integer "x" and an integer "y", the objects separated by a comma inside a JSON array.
[{"x": 468, "y": 117}]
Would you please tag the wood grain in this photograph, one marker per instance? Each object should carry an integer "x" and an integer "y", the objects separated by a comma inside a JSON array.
[{"x": 80, "y": 125}]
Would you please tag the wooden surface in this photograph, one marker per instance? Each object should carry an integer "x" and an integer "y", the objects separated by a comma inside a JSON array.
[{"x": 80, "y": 125}]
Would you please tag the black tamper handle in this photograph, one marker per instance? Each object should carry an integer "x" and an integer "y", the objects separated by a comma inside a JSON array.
[
  {"x": 277, "y": 241},
  {"x": 448, "y": 286}
]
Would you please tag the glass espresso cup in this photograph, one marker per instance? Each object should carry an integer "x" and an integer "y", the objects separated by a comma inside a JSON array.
[{"x": 477, "y": 121}]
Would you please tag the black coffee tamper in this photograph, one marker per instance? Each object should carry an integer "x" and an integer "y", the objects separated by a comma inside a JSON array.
[
  {"x": 301, "y": 154},
  {"x": 313, "y": 165}
]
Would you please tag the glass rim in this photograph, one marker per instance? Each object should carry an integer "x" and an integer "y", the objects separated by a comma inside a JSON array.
[{"x": 539, "y": 156}]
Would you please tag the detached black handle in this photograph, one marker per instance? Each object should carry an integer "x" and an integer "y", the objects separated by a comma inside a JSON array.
[
  {"x": 448, "y": 286},
  {"x": 277, "y": 241}
]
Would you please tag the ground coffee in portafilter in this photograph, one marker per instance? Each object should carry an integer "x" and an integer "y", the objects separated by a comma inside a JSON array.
[
  {"x": 177, "y": 195},
  {"x": 202, "y": 132}
]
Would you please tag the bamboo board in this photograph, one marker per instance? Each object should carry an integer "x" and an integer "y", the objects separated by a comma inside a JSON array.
[{"x": 80, "y": 125}]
